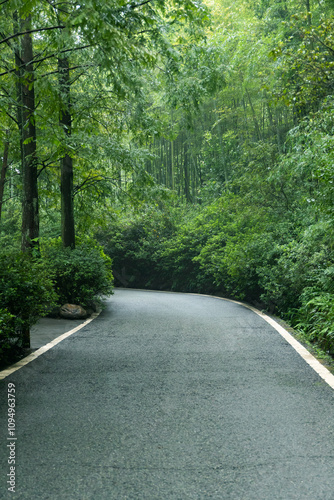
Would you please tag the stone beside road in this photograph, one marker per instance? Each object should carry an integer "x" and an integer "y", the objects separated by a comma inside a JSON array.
[{"x": 72, "y": 311}]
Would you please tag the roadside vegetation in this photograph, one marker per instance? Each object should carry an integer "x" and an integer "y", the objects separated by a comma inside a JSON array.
[{"x": 182, "y": 146}]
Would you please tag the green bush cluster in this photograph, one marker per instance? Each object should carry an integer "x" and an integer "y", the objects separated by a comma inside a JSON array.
[
  {"x": 133, "y": 243},
  {"x": 315, "y": 318},
  {"x": 81, "y": 275},
  {"x": 30, "y": 288},
  {"x": 26, "y": 294},
  {"x": 9, "y": 336}
]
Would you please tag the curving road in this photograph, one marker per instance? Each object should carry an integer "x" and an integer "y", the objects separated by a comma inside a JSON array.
[{"x": 170, "y": 396}]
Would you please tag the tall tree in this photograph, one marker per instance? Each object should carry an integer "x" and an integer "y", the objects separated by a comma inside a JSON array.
[
  {"x": 4, "y": 168},
  {"x": 30, "y": 202},
  {"x": 66, "y": 185}
]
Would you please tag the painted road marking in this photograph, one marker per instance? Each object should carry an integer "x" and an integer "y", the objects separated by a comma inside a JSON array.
[
  {"x": 321, "y": 370},
  {"x": 8, "y": 371}
]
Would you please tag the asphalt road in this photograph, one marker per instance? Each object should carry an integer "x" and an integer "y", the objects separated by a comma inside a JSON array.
[{"x": 170, "y": 396}]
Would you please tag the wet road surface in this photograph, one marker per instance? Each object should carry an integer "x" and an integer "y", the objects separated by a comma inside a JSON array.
[{"x": 170, "y": 396}]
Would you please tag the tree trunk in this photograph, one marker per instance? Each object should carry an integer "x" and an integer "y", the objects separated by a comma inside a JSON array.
[
  {"x": 256, "y": 125},
  {"x": 308, "y": 11},
  {"x": 27, "y": 132},
  {"x": 18, "y": 80},
  {"x": 186, "y": 172},
  {"x": 4, "y": 168},
  {"x": 30, "y": 212},
  {"x": 66, "y": 185},
  {"x": 172, "y": 174}
]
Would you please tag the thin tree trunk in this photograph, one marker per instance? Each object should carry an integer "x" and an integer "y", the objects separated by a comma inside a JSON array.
[
  {"x": 172, "y": 165},
  {"x": 66, "y": 183},
  {"x": 257, "y": 128},
  {"x": 274, "y": 128},
  {"x": 4, "y": 168},
  {"x": 172, "y": 173},
  {"x": 181, "y": 183},
  {"x": 27, "y": 130},
  {"x": 30, "y": 212},
  {"x": 222, "y": 153},
  {"x": 308, "y": 11},
  {"x": 19, "y": 79},
  {"x": 186, "y": 173},
  {"x": 177, "y": 157}
]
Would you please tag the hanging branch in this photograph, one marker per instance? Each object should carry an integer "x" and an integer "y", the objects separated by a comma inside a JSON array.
[
  {"x": 137, "y": 5},
  {"x": 70, "y": 69},
  {"x": 44, "y": 167},
  {"x": 22, "y": 33},
  {"x": 56, "y": 54},
  {"x": 94, "y": 180},
  {"x": 57, "y": 8}
]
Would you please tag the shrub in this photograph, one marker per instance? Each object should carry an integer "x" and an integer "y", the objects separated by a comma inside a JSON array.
[
  {"x": 8, "y": 337},
  {"x": 26, "y": 293},
  {"x": 134, "y": 244},
  {"x": 316, "y": 317},
  {"x": 26, "y": 288},
  {"x": 80, "y": 275}
]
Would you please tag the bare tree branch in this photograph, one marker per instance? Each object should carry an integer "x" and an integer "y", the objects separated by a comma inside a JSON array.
[
  {"x": 137, "y": 5},
  {"x": 323, "y": 43},
  {"x": 93, "y": 180},
  {"x": 12, "y": 117},
  {"x": 70, "y": 69},
  {"x": 35, "y": 61},
  {"x": 55, "y": 54},
  {"x": 5, "y": 40},
  {"x": 56, "y": 7}
]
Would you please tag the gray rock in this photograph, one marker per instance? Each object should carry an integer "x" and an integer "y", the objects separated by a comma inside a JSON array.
[{"x": 72, "y": 311}]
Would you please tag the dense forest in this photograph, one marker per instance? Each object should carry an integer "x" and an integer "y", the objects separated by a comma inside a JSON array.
[{"x": 171, "y": 145}]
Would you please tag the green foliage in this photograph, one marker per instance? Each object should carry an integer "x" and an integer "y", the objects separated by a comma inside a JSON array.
[
  {"x": 316, "y": 317},
  {"x": 25, "y": 287},
  {"x": 132, "y": 243},
  {"x": 80, "y": 275},
  {"x": 306, "y": 62},
  {"x": 236, "y": 246},
  {"x": 26, "y": 294},
  {"x": 176, "y": 260},
  {"x": 9, "y": 327},
  {"x": 10, "y": 237}
]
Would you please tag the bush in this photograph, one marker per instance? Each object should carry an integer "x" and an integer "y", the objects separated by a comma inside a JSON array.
[
  {"x": 134, "y": 243},
  {"x": 315, "y": 318},
  {"x": 80, "y": 275},
  {"x": 177, "y": 262},
  {"x": 26, "y": 294},
  {"x": 8, "y": 337}
]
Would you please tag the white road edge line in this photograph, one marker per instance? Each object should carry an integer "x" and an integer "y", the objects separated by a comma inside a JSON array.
[
  {"x": 321, "y": 370},
  {"x": 8, "y": 371}
]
